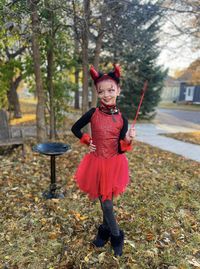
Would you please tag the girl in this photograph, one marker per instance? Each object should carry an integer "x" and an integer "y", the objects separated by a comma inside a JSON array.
[{"x": 103, "y": 173}]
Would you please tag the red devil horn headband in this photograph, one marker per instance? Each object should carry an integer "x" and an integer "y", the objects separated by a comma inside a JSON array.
[
  {"x": 94, "y": 74},
  {"x": 117, "y": 70},
  {"x": 98, "y": 76}
]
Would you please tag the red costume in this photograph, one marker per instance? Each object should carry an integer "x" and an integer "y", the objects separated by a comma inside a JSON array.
[{"x": 105, "y": 171}]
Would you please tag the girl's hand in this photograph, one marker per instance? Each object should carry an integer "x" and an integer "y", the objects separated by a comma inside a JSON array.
[
  {"x": 92, "y": 147},
  {"x": 130, "y": 135}
]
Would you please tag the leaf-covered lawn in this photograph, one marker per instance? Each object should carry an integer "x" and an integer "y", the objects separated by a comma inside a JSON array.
[
  {"x": 159, "y": 212},
  {"x": 193, "y": 137},
  {"x": 186, "y": 107}
]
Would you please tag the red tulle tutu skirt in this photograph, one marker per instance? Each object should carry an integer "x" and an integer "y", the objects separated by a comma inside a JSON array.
[{"x": 102, "y": 177}]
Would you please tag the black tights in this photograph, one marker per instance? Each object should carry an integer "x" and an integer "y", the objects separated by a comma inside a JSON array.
[{"x": 109, "y": 220}]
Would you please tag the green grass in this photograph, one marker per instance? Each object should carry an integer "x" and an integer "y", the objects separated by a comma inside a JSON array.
[
  {"x": 191, "y": 137},
  {"x": 28, "y": 105},
  {"x": 189, "y": 107}
]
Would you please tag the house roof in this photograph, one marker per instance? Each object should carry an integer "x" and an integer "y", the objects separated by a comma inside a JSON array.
[{"x": 171, "y": 82}]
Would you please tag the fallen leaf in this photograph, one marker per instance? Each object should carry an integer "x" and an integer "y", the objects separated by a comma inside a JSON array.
[
  {"x": 101, "y": 257},
  {"x": 53, "y": 235}
]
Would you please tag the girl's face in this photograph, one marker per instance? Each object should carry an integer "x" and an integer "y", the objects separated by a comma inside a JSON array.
[{"x": 107, "y": 91}]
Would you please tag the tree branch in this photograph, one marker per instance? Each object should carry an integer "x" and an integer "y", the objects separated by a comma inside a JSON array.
[{"x": 18, "y": 52}]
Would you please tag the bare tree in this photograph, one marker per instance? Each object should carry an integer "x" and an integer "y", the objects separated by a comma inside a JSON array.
[{"x": 184, "y": 20}]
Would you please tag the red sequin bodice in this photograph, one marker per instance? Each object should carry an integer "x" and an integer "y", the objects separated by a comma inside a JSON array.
[{"x": 105, "y": 133}]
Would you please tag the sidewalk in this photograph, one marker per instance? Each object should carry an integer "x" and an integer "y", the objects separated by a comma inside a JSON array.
[{"x": 149, "y": 133}]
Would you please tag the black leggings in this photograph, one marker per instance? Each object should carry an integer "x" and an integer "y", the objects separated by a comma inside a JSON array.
[{"x": 109, "y": 220}]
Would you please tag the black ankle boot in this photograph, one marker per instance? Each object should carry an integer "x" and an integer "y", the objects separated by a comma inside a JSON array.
[
  {"x": 102, "y": 237},
  {"x": 117, "y": 243}
]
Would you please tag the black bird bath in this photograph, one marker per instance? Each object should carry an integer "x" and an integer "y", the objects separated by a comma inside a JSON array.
[{"x": 52, "y": 149}]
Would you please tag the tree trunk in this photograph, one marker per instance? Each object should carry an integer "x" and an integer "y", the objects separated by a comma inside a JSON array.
[
  {"x": 96, "y": 65},
  {"x": 13, "y": 98},
  {"x": 85, "y": 37},
  {"x": 76, "y": 56},
  {"x": 40, "y": 112},
  {"x": 76, "y": 75},
  {"x": 98, "y": 51},
  {"x": 50, "y": 57},
  {"x": 77, "y": 95},
  {"x": 50, "y": 86}
]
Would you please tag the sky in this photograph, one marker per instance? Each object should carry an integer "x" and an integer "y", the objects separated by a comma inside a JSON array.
[
  {"x": 176, "y": 57},
  {"x": 177, "y": 51}
]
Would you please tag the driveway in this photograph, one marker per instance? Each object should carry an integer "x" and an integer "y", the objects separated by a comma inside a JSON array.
[{"x": 189, "y": 119}]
